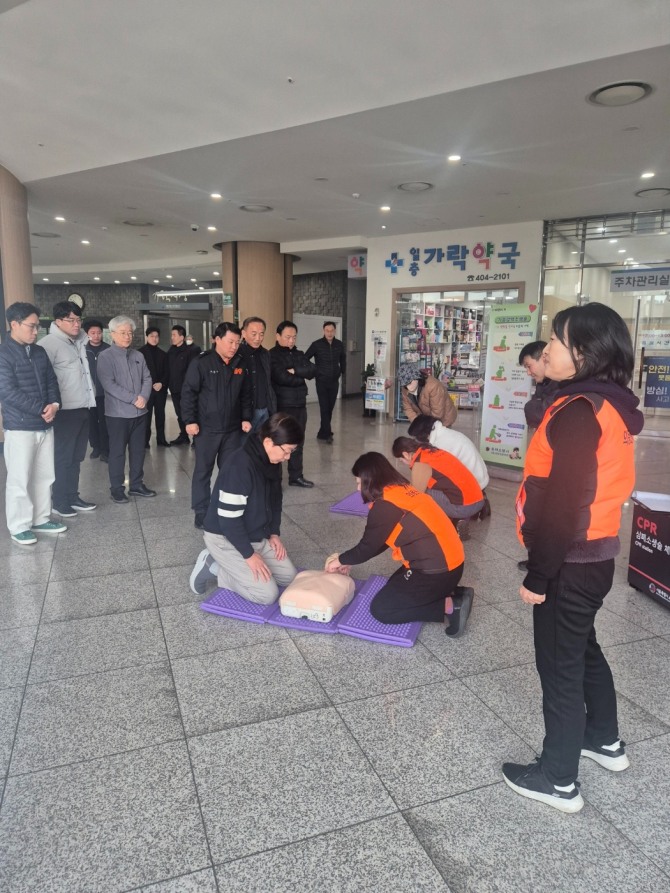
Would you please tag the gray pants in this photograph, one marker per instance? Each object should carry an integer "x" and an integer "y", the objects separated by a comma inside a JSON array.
[
  {"x": 235, "y": 573},
  {"x": 457, "y": 512}
]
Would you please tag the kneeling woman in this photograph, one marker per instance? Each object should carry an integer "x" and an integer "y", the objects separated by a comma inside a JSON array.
[
  {"x": 244, "y": 552},
  {"x": 422, "y": 537}
]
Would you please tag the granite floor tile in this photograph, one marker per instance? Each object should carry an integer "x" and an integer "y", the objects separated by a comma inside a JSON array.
[
  {"x": 244, "y": 685},
  {"x": 24, "y": 568},
  {"x": 492, "y": 641},
  {"x": 267, "y": 785},
  {"x": 350, "y": 668},
  {"x": 46, "y": 544},
  {"x": 494, "y": 577},
  {"x": 432, "y": 742},
  {"x": 106, "y": 825},
  {"x": 168, "y": 505},
  {"x": 492, "y": 840},
  {"x": 170, "y": 527},
  {"x": 96, "y": 596},
  {"x": 21, "y": 606},
  {"x": 636, "y": 801},
  {"x": 189, "y": 631},
  {"x": 104, "y": 533},
  {"x": 171, "y": 584},
  {"x": 77, "y": 564},
  {"x": 638, "y": 608},
  {"x": 382, "y": 854},
  {"x": 642, "y": 673},
  {"x": 200, "y": 882},
  {"x": 10, "y": 706},
  {"x": 91, "y": 716},
  {"x": 174, "y": 552},
  {"x": 16, "y": 649},
  {"x": 96, "y": 644}
]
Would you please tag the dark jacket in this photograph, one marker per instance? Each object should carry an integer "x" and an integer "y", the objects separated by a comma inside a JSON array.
[
  {"x": 27, "y": 386},
  {"x": 544, "y": 396},
  {"x": 329, "y": 357},
  {"x": 216, "y": 395},
  {"x": 124, "y": 377},
  {"x": 247, "y": 498},
  {"x": 92, "y": 354},
  {"x": 179, "y": 359},
  {"x": 257, "y": 361},
  {"x": 157, "y": 363},
  {"x": 291, "y": 390}
]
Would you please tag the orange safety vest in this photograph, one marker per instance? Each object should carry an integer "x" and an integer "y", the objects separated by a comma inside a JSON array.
[
  {"x": 450, "y": 476},
  {"x": 615, "y": 476},
  {"x": 422, "y": 508}
]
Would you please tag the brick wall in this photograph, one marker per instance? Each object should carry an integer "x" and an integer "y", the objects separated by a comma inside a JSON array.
[{"x": 321, "y": 294}]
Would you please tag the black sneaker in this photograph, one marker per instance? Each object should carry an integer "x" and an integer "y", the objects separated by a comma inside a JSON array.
[
  {"x": 203, "y": 573},
  {"x": 63, "y": 511},
  {"x": 613, "y": 757},
  {"x": 104, "y": 457},
  {"x": 182, "y": 440},
  {"x": 301, "y": 482},
  {"x": 80, "y": 505},
  {"x": 530, "y": 781},
  {"x": 462, "y": 599},
  {"x": 119, "y": 495},
  {"x": 142, "y": 490},
  {"x": 463, "y": 529}
]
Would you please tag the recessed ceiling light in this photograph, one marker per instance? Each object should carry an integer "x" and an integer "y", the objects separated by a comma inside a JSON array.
[
  {"x": 453, "y": 158},
  {"x": 629, "y": 260},
  {"x": 194, "y": 280},
  {"x": 60, "y": 219},
  {"x": 653, "y": 192},
  {"x": 621, "y": 93},
  {"x": 613, "y": 241},
  {"x": 66, "y": 281},
  {"x": 215, "y": 273},
  {"x": 169, "y": 276},
  {"x": 417, "y": 186},
  {"x": 215, "y": 195},
  {"x": 202, "y": 251},
  {"x": 133, "y": 277},
  {"x": 212, "y": 229},
  {"x": 355, "y": 195},
  {"x": 85, "y": 242},
  {"x": 574, "y": 252},
  {"x": 201, "y": 287},
  {"x": 383, "y": 227},
  {"x": 45, "y": 280},
  {"x": 256, "y": 209},
  {"x": 96, "y": 278},
  {"x": 385, "y": 208},
  {"x": 621, "y": 251},
  {"x": 647, "y": 175},
  {"x": 156, "y": 281}
]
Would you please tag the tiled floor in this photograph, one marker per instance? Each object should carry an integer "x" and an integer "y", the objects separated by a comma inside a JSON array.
[{"x": 146, "y": 745}]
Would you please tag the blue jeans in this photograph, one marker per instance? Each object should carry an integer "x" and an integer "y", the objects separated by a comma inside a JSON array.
[{"x": 259, "y": 416}]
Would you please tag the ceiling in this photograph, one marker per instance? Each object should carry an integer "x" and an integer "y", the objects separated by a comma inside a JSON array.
[{"x": 124, "y": 117}]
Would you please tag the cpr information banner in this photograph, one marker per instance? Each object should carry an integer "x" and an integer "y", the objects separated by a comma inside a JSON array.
[{"x": 507, "y": 388}]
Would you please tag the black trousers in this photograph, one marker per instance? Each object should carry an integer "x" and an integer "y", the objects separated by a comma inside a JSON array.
[
  {"x": 70, "y": 440},
  {"x": 210, "y": 447},
  {"x": 299, "y": 413},
  {"x": 410, "y": 595},
  {"x": 126, "y": 433},
  {"x": 326, "y": 391},
  {"x": 578, "y": 696},
  {"x": 156, "y": 405},
  {"x": 176, "y": 402},
  {"x": 97, "y": 427}
]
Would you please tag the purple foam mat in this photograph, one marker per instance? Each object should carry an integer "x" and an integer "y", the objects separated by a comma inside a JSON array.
[
  {"x": 278, "y": 619},
  {"x": 230, "y": 604},
  {"x": 356, "y": 620},
  {"x": 351, "y": 505}
]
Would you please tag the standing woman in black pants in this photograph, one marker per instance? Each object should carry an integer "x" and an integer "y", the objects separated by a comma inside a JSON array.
[
  {"x": 579, "y": 471},
  {"x": 420, "y": 536}
]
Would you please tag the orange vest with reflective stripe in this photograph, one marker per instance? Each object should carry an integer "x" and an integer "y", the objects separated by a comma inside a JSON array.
[
  {"x": 422, "y": 508},
  {"x": 450, "y": 476},
  {"x": 615, "y": 476}
]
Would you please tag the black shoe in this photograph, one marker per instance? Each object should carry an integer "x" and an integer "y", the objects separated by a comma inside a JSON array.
[
  {"x": 80, "y": 505},
  {"x": 104, "y": 457},
  {"x": 301, "y": 482},
  {"x": 199, "y": 522},
  {"x": 142, "y": 490},
  {"x": 463, "y": 529},
  {"x": 530, "y": 781},
  {"x": 63, "y": 511},
  {"x": 119, "y": 495},
  {"x": 462, "y": 599},
  {"x": 485, "y": 511},
  {"x": 522, "y": 565},
  {"x": 613, "y": 758},
  {"x": 163, "y": 443},
  {"x": 95, "y": 454},
  {"x": 204, "y": 573},
  {"x": 147, "y": 446},
  {"x": 182, "y": 440}
]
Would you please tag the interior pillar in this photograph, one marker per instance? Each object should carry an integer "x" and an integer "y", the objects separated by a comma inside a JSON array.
[
  {"x": 260, "y": 279},
  {"x": 15, "y": 260}
]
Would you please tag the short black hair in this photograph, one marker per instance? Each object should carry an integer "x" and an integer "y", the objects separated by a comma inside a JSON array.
[
  {"x": 405, "y": 445},
  {"x": 224, "y": 327},
  {"x": 286, "y": 324},
  {"x": 92, "y": 324},
  {"x": 599, "y": 341},
  {"x": 421, "y": 428},
  {"x": 282, "y": 428},
  {"x": 330, "y": 322},
  {"x": 533, "y": 349},
  {"x": 21, "y": 310},
  {"x": 180, "y": 329},
  {"x": 65, "y": 308},
  {"x": 250, "y": 319},
  {"x": 150, "y": 330},
  {"x": 376, "y": 472}
]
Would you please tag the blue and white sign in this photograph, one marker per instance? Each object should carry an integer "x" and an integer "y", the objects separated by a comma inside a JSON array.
[
  {"x": 657, "y": 385},
  {"x": 640, "y": 279}
]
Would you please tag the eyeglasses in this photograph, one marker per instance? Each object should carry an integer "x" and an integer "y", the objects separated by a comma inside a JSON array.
[
  {"x": 32, "y": 325},
  {"x": 71, "y": 319},
  {"x": 286, "y": 453}
]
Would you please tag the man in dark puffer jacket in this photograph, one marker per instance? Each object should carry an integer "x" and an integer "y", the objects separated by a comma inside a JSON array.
[{"x": 30, "y": 400}]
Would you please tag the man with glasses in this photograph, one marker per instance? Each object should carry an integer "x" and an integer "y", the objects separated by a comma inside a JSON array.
[
  {"x": 30, "y": 400},
  {"x": 66, "y": 346}
]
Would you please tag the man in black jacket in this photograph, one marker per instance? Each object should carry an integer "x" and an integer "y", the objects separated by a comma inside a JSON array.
[
  {"x": 157, "y": 363},
  {"x": 30, "y": 400},
  {"x": 98, "y": 437},
  {"x": 257, "y": 360},
  {"x": 179, "y": 355},
  {"x": 330, "y": 359},
  {"x": 216, "y": 406},
  {"x": 290, "y": 371}
]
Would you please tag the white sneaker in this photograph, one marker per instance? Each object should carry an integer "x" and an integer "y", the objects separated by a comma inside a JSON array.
[{"x": 610, "y": 756}]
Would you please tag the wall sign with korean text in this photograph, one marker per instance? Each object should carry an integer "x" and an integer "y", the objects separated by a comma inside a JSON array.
[{"x": 481, "y": 261}]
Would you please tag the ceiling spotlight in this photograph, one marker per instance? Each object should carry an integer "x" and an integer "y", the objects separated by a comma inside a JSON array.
[
  {"x": 621, "y": 251},
  {"x": 621, "y": 93},
  {"x": 96, "y": 279},
  {"x": 66, "y": 281},
  {"x": 216, "y": 273},
  {"x": 156, "y": 281},
  {"x": 355, "y": 195},
  {"x": 45, "y": 280},
  {"x": 194, "y": 280},
  {"x": 212, "y": 229},
  {"x": 653, "y": 192},
  {"x": 613, "y": 241},
  {"x": 133, "y": 277},
  {"x": 385, "y": 208},
  {"x": 418, "y": 186},
  {"x": 85, "y": 242},
  {"x": 215, "y": 195},
  {"x": 574, "y": 252},
  {"x": 60, "y": 219},
  {"x": 256, "y": 209},
  {"x": 383, "y": 227},
  {"x": 453, "y": 158},
  {"x": 201, "y": 287},
  {"x": 647, "y": 175},
  {"x": 117, "y": 282},
  {"x": 169, "y": 276}
]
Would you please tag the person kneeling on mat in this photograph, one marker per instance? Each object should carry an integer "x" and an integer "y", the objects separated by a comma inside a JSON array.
[
  {"x": 444, "y": 477},
  {"x": 244, "y": 552},
  {"x": 420, "y": 536}
]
